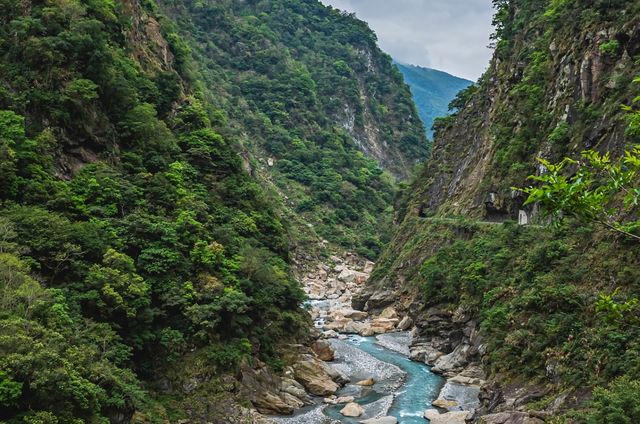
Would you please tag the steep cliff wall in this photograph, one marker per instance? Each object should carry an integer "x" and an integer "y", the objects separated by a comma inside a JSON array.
[
  {"x": 554, "y": 88},
  {"x": 520, "y": 301}
]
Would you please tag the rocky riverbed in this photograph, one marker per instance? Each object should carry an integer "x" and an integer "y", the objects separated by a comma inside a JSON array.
[{"x": 359, "y": 370}]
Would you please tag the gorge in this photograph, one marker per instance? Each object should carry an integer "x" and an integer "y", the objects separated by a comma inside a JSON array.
[{"x": 220, "y": 211}]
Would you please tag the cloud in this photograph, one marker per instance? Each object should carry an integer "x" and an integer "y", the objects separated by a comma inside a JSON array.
[{"x": 450, "y": 35}]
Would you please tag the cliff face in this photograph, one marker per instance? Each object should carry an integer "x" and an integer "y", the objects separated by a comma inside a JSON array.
[
  {"x": 520, "y": 301},
  {"x": 553, "y": 89}
]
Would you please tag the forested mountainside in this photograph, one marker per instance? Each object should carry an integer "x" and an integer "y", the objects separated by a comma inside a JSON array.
[
  {"x": 549, "y": 311},
  {"x": 432, "y": 91},
  {"x": 143, "y": 246},
  {"x": 313, "y": 99}
]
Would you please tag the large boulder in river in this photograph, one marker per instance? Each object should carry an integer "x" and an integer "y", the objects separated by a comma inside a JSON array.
[
  {"x": 352, "y": 409},
  {"x": 314, "y": 377},
  {"x": 458, "y": 417},
  {"x": 367, "y": 382},
  {"x": 353, "y": 314},
  {"x": 381, "y": 420}
]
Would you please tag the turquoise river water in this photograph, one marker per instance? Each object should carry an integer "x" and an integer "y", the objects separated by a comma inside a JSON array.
[{"x": 420, "y": 388}]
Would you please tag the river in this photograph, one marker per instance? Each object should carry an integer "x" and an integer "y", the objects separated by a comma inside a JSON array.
[{"x": 404, "y": 389}]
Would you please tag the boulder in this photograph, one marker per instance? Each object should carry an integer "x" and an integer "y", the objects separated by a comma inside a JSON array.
[
  {"x": 389, "y": 312},
  {"x": 367, "y": 382},
  {"x": 263, "y": 388},
  {"x": 381, "y": 420},
  {"x": 296, "y": 389},
  {"x": 323, "y": 349},
  {"x": 314, "y": 377},
  {"x": 444, "y": 404},
  {"x": 352, "y": 409},
  {"x": 383, "y": 325},
  {"x": 270, "y": 404},
  {"x": 353, "y": 314},
  {"x": 405, "y": 324},
  {"x": 351, "y": 276},
  {"x": 448, "y": 365},
  {"x": 362, "y": 328},
  {"x": 511, "y": 417},
  {"x": 336, "y": 375},
  {"x": 457, "y": 417},
  {"x": 368, "y": 267}
]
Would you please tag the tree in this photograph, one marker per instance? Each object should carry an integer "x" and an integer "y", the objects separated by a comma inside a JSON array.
[{"x": 595, "y": 188}]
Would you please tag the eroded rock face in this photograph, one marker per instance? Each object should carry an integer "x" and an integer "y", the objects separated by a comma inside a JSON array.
[
  {"x": 312, "y": 374},
  {"x": 270, "y": 394},
  {"x": 510, "y": 418},
  {"x": 323, "y": 350}
]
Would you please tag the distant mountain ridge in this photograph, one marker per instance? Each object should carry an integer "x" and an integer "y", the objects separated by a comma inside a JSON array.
[{"x": 432, "y": 90}]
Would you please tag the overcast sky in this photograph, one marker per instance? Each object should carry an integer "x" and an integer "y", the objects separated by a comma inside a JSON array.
[{"x": 450, "y": 35}]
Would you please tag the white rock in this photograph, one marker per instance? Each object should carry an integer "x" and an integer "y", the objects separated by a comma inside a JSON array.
[
  {"x": 352, "y": 409},
  {"x": 381, "y": 420}
]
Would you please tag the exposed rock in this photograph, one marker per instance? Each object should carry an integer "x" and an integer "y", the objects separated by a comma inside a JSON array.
[
  {"x": 381, "y": 420},
  {"x": 353, "y": 314},
  {"x": 352, "y": 409},
  {"x": 444, "y": 404},
  {"x": 511, "y": 417},
  {"x": 367, "y": 382},
  {"x": 296, "y": 389},
  {"x": 323, "y": 349},
  {"x": 457, "y": 417},
  {"x": 389, "y": 312},
  {"x": 405, "y": 323},
  {"x": 453, "y": 362},
  {"x": 351, "y": 276},
  {"x": 333, "y": 400},
  {"x": 269, "y": 393},
  {"x": 314, "y": 377}
]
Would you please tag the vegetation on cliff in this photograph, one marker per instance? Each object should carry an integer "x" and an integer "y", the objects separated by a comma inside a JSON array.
[
  {"x": 135, "y": 233},
  {"x": 557, "y": 304}
]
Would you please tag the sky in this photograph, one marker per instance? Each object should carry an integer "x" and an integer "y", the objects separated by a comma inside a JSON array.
[{"x": 449, "y": 35}]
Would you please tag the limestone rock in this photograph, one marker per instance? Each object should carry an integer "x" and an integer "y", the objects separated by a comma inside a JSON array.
[
  {"x": 444, "y": 404},
  {"x": 351, "y": 276},
  {"x": 352, "y": 409},
  {"x": 296, "y": 389},
  {"x": 383, "y": 325},
  {"x": 323, "y": 349},
  {"x": 405, "y": 323},
  {"x": 457, "y": 417},
  {"x": 389, "y": 312},
  {"x": 313, "y": 376},
  {"x": 381, "y": 420},
  {"x": 367, "y": 382}
]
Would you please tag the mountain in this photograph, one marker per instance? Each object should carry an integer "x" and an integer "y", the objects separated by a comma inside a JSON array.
[
  {"x": 165, "y": 168},
  {"x": 432, "y": 91},
  {"x": 519, "y": 297}
]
